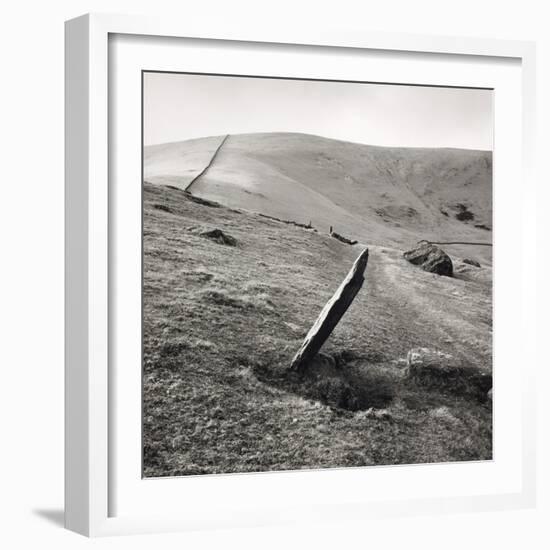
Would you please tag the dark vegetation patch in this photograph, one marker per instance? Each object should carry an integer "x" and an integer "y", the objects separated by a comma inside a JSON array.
[
  {"x": 463, "y": 214},
  {"x": 342, "y": 380},
  {"x": 457, "y": 381},
  {"x": 482, "y": 226},
  {"x": 163, "y": 208}
]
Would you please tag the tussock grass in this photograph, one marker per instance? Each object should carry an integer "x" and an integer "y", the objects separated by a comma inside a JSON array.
[
  {"x": 222, "y": 297},
  {"x": 222, "y": 323}
]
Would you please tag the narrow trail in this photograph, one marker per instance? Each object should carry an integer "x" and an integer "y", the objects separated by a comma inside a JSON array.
[
  {"x": 206, "y": 168},
  {"x": 446, "y": 313}
]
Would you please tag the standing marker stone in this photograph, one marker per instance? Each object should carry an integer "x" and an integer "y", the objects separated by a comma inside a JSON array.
[{"x": 332, "y": 313}]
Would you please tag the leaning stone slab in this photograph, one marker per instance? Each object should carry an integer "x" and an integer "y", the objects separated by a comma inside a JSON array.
[{"x": 332, "y": 313}]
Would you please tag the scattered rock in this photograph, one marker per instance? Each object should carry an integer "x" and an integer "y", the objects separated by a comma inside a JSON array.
[
  {"x": 341, "y": 238},
  {"x": 217, "y": 235},
  {"x": 436, "y": 370},
  {"x": 430, "y": 258},
  {"x": 469, "y": 261},
  {"x": 163, "y": 208}
]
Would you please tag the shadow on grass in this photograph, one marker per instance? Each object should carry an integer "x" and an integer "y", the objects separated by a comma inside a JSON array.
[{"x": 339, "y": 380}]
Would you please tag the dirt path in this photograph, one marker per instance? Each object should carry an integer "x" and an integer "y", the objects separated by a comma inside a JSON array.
[
  {"x": 206, "y": 168},
  {"x": 444, "y": 313}
]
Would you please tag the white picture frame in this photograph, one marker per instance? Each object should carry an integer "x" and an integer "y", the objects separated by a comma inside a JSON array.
[{"x": 91, "y": 401}]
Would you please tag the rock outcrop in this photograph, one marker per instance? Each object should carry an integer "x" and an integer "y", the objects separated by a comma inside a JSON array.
[
  {"x": 430, "y": 258},
  {"x": 435, "y": 370},
  {"x": 218, "y": 236}
]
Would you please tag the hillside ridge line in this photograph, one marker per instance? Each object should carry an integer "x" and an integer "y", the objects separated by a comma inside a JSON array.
[{"x": 205, "y": 169}]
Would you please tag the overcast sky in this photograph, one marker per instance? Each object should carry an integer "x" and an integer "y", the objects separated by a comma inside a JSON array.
[{"x": 180, "y": 106}]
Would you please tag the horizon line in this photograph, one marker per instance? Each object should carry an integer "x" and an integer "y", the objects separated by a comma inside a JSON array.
[{"x": 317, "y": 136}]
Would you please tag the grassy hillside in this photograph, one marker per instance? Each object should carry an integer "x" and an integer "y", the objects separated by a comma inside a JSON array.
[
  {"x": 222, "y": 322},
  {"x": 384, "y": 195},
  {"x": 178, "y": 163}
]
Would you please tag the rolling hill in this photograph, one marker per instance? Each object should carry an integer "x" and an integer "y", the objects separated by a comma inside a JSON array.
[
  {"x": 230, "y": 289},
  {"x": 223, "y": 321},
  {"x": 380, "y": 195}
]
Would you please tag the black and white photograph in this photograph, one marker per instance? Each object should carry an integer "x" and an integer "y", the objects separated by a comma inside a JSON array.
[{"x": 317, "y": 274}]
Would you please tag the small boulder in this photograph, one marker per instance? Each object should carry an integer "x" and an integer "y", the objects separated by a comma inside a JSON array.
[
  {"x": 469, "y": 261},
  {"x": 430, "y": 258},
  {"x": 435, "y": 370},
  {"x": 342, "y": 239},
  {"x": 218, "y": 236}
]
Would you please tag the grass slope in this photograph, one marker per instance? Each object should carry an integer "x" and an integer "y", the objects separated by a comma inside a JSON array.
[
  {"x": 388, "y": 195},
  {"x": 221, "y": 324}
]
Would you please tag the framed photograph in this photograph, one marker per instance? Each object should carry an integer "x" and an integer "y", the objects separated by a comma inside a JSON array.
[{"x": 296, "y": 285}]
